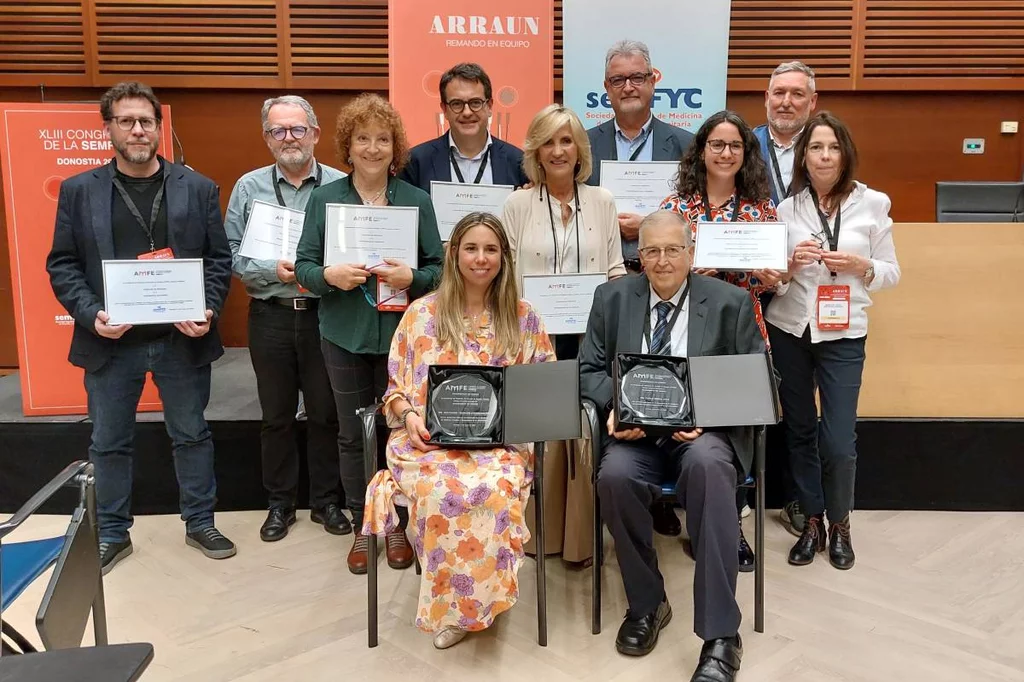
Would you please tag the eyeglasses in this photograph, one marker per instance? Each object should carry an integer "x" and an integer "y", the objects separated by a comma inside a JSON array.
[
  {"x": 718, "y": 146},
  {"x": 637, "y": 79},
  {"x": 457, "y": 105},
  {"x": 298, "y": 132},
  {"x": 128, "y": 123},
  {"x": 652, "y": 254}
]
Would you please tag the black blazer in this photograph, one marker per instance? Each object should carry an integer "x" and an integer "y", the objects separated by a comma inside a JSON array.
[
  {"x": 670, "y": 143},
  {"x": 430, "y": 161},
  {"x": 83, "y": 238},
  {"x": 721, "y": 322}
]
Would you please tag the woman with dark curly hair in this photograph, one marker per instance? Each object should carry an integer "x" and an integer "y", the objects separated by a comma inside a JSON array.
[
  {"x": 722, "y": 178},
  {"x": 355, "y": 327}
]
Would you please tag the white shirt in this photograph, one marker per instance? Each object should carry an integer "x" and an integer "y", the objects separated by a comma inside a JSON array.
[
  {"x": 865, "y": 230},
  {"x": 470, "y": 166},
  {"x": 679, "y": 333},
  {"x": 785, "y": 156}
]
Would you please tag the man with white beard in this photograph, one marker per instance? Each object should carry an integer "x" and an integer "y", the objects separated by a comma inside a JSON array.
[
  {"x": 284, "y": 335},
  {"x": 788, "y": 101}
]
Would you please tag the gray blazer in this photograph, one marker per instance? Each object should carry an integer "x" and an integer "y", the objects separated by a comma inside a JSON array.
[
  {"x": 669, "y": 143},
  {"x": 721, "y": 322}
]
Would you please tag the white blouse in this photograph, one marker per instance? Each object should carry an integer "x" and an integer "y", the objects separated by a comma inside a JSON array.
[{"x": 865, "y": 230}]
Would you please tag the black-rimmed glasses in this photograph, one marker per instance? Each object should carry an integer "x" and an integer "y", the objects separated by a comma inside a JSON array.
[
  {"x": 298, "y": 132},
  {"x": 458, "y": 105},
  {"x": 128, "y": 123},
  {"x": 636, "y": 79}
]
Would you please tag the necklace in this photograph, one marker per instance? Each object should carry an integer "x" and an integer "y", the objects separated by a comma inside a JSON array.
[{"x": 376, "y": 197}]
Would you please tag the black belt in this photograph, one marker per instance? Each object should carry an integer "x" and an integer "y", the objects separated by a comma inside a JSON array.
[{"x": 297, "y": 303}]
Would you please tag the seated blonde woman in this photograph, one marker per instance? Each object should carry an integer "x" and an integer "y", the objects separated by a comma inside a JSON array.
[{"x": 465, "y": 506}]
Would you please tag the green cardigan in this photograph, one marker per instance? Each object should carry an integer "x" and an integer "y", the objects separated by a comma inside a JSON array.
[{"x": 346, "y": 318}]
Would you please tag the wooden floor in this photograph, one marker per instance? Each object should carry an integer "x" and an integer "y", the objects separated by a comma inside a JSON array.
[{"x": 934, "y": 596}]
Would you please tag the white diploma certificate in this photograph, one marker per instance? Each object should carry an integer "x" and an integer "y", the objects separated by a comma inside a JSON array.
[
  {"x": 563, "y": 301},
  {"x": 639, "y": 186},
  {"x": 741, "y": 246},
  {"x": 369, "y": 234},
  {"x": 154, "y": 291},
  {"x": 455, "y": 200},
  {"x": 272, "y": 232}
]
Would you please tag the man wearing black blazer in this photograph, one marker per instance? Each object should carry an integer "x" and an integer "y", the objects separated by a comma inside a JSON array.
[
  {"x": 686, "y": 315},
  {"x": 467, "y": 152},
  {"x": 634, "y": 134},
  {"x": 140, "y": 205}
]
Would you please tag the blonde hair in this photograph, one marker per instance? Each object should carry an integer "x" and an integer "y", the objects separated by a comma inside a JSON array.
[
  {"x": 502, "y": 297},
  {"x": 542, "y": 128}
]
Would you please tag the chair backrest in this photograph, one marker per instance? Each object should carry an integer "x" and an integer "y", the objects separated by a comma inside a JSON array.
[
  {"x": 979, "y": 202},
  {"x": 64, "y": 611}
]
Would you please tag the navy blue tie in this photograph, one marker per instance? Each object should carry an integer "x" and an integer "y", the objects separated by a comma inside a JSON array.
[{"x": 660, "y": 342}]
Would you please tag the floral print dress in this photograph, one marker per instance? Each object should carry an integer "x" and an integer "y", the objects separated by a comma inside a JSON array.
[
  {"x": 465, "y": 506},
  {"x": 692, "y": 208}
]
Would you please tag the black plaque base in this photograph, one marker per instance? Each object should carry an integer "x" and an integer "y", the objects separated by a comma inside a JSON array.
[
  {"x": 629, "y": 410},
  {"x": 458, "y": 417}
]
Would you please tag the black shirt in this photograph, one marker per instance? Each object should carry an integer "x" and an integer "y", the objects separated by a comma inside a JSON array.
[{"x": 130, "y": 240}]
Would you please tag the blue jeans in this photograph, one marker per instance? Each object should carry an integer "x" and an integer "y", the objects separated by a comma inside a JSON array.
[{"x": 114, "y": 391}]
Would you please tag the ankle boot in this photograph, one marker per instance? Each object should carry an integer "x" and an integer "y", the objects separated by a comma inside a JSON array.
[
  {"x": 840, "y": 546},
  {"x": 811, "y": 541}
]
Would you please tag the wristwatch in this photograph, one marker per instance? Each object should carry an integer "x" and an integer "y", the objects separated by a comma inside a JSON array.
[{"x": 869, "y": 274}]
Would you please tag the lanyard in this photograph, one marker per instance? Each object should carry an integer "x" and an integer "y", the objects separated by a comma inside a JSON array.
[
  {"x": 479, "y": 173},
  {"x": 636, "y": 152},
  {"x": 833, "y": 237},
  {"x": 554, "y": 234},
  {"x": 706, "y": 209},
  {"x": 671, "y": 321},
  {"x": 158, "y": 200},
  {"x": 277, "y": 187},
  {"x": 783, "y": 187}
]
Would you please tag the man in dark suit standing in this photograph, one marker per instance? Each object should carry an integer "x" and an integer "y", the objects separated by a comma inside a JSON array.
[
  {"x": 686, "y": 315},
  {"x": 467, "y": 152},
  {"x": 140, "y": 205},
  {"x": 635, "y": 134}
]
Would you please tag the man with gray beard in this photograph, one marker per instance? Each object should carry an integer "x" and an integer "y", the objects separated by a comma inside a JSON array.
[{"x": 284, "y": 335}]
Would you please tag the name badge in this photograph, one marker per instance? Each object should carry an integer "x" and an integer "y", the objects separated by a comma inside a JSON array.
[
  {"x": 833, "y": 307},
  {"x": 390, "y": 299},
  {"x": 161, "y": 254}
]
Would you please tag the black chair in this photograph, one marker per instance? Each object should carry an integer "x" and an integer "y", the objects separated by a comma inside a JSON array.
[
  {"x": 594, "y": 434},
  {"x": 76, "y": 586},
  {"x": 369, "y": 417}
]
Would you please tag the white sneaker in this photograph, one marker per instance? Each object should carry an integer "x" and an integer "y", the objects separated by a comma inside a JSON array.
[
  {"x": 449, "y": 637},
  {"x": 745, "y": 512}
]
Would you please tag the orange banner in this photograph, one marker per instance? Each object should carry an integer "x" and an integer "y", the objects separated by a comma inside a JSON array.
[
  {"x": 515, "y": 48},
  {"x": 40, "y": 146}
]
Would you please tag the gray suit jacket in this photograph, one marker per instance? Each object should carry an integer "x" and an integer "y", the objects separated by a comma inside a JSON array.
[
  {"x": 669, "y": 143},
  {"x": 721, "y": 322}
]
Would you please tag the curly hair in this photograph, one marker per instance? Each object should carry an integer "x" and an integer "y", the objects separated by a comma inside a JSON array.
[
  {"x": 752, "y": 178},
  {"x": 365, "y": 109}
]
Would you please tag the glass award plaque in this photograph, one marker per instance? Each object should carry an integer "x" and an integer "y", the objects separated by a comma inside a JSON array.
[
  {"x": 652, "y": 392},
  {"x": 464, "y": 405}
]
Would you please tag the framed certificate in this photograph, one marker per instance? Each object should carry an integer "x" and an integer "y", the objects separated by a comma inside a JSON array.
[
  {"x": 272, "y": 232},
  {"x": 369, "y": 234},
  {"x": 455, "y": 200},
  {"x": 563, "y": 301},
  {"x": 741, "y": 246},
  {"x": 639, "y": 186},
  {"x": 154, "y": 291}
]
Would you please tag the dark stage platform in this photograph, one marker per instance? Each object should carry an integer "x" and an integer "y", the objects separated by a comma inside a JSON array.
[{"x": 975, "y": 465}]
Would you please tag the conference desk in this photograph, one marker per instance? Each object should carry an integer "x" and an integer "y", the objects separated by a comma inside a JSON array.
[{"x": 948, "y": 341}]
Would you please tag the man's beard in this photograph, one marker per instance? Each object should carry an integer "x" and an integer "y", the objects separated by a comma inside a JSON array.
[
  {"x": 135, "y": 154},
  {"x": 787, "y": 126},
  {"x": 288, "y": 158}
]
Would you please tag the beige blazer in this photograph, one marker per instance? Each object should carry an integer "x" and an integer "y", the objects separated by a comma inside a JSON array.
[{"x": 528, "y": 223}]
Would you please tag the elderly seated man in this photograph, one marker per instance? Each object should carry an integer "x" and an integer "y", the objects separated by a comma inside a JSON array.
[{"x": 670, "y": 311}]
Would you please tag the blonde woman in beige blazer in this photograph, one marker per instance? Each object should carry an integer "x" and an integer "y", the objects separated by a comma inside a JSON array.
[{"x": 561, "y": 225}]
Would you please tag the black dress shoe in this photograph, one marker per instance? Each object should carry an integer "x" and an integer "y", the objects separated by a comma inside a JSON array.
[
  {"x": 811, "y": 541},
  {"x": 276, "y": 525},
  {"x": 637, "y": 636},
  {"x": 665, "y": 520},
  {"x": 332, "y": 518},
  {"x": 840, "y": 546},
  {"x": 746, "y": 555},
  {"x": 719, "y": 660}
]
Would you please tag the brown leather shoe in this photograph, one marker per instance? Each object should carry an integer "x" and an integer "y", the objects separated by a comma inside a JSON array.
[
  {"x": 399, "y": 550},
  {"x": 357, "y": 555}
]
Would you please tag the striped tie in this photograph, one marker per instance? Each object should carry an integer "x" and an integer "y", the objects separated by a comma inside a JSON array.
[{"x": 660, "y": 341}]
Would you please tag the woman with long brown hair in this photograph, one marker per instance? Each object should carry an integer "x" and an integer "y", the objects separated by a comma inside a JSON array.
[{"x": 465, "y": 506}]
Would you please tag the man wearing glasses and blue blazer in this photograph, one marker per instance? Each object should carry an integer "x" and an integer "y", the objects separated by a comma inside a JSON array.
[{"x": 467, "y": 153}]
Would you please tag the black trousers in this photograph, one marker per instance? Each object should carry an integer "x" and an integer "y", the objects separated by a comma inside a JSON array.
[
  {"x": 284, "y": 345},
  {"x": 628, "y": 481}
]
